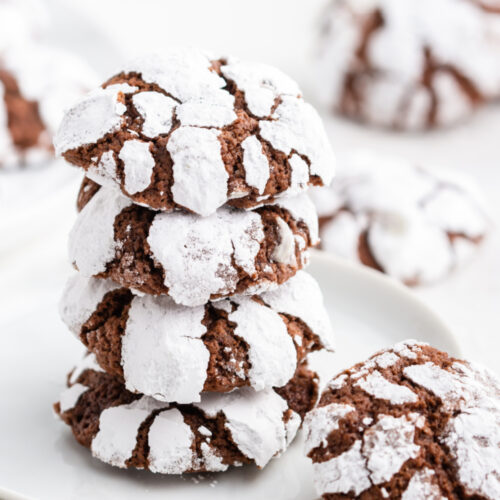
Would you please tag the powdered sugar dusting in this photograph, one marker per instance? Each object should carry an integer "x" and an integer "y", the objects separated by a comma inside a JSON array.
[
  {"x": 70, "y": 396},
  {"x": 138, "y": 164},
  {"x": 170, "y": 440},
  {"x": 94, "y": 226},
  {"x": 80, "y": 299},
  {"x": 94, "y": 116},
  {"x": 271, "y": 351},
  {"x": 196, "y": 168},
  {"x": 284, "y": 251},
  {"x": 261, "y": 83},
  {"x": 254, "y": 419},
  {"x": 320, "y": 422},
  {"x": 255, "y": 163},
  {"x": 380, "y": 388},
  {"x": 114, "y": 443},
  {"x": 162, "y": 351},
  {"x": 196, "y": 252},
  {"x": 88, "y": 363},
  {"x": 422, "y": 487},
  {"x": 302, "y": 209},
  {"x": 388, "y": 444},
  {"x": 301, "y": 297},
  {"x": 346, "y": 473},
  {"x": 157, "y": 112}
]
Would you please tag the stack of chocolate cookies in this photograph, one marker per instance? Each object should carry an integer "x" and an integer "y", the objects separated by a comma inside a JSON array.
[{"x": 192, "y": 233}]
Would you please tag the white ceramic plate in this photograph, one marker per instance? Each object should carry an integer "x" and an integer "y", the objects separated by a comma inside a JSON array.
[{"x": 39, "y": 457}]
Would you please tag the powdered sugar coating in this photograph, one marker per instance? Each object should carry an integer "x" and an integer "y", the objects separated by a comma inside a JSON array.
[
  {"x": 394, "y": 64},
  {"x": 256, "y": 164},
  {"x": 196, "y": 253},
  {"x": 409, "y": 222},
  {"x": 185, "y": 103},
  {"x": 257, "y": 425},
  {"x": 254, "y": 419},
  {"x": 421, "y": 487},
  {"x": 200, "y": 257},
  {"x": 161, "y": 340},
  {"x": 138, "y": 163},
  {"x": 157, "y": 111},
  {"x": 96, "y": 218},
  {"x": 170, "y": 440},
  {"x": 346, "y": 473},
  {"x": 197, "y": 168},
  {"x": 114, "y": 443},
  {"x": 380, "y": 388},
  {"x": 163, "y": 353},
  {"x": 80, "y": 298},
  {"x": 326, "y": 419},
  {"x": 272, "y": 354},
  {"x": 388, "y": 444},
  {"x": 463, "y": 430},
  {"x": 70, "y": 396}
]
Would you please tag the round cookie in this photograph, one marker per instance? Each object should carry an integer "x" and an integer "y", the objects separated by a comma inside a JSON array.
[
  {"x": 410, "y": 423},
  {"x": 410, "y": 223},
  {"x": 173, "y": 353},
  {"x": 193, "y": 259},
  {"x": 21, "y": 21},
  {"x": 37, "y": 83},
  {"x": 187, "y": 130},
  {"x": 132, "y": 431},
  {"x": 395, "y": 63}
]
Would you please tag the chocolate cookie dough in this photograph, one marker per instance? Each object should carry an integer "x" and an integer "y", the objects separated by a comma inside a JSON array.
[
  {"x": 410, "y": 423},
  {"x": 173, "y": 353},
  {"x": 193, "y": 259},
  {"x": 409, "y": 64},
  {"x": 133, "y": 431},
  {"x": 37, "y": 83},
  {"x": 188, "y": 130},
  {"x": 411, "y": 223}
]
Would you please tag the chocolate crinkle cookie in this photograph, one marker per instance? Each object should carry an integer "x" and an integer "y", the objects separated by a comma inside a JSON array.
[
  {"x": 189, "y": 130},
  {"x": 193, "y": 259},
  {"x": 411, "y": 423},
  {"x": 37, "y": 83},
  {"x": 174, "y": 353},
  {"x": 409, "y": 64},
  {"x": 411, "y": 223},
  {"x": 134, "y": 431}
]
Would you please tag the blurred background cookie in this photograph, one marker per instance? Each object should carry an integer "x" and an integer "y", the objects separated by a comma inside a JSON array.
[
  {"x": 411, "y": 223},
  {"x": 37, "y": 83},
  {"x": 409, "y": 64}
]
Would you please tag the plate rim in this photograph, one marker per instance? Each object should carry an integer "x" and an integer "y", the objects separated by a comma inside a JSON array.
[{"x": 379, "y": 279}]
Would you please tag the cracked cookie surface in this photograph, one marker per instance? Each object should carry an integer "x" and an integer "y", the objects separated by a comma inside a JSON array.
[
  {"x": 132, "y": 431},
  {"x": 174, "y": 353},
  {"x": 410, "y": 423},
  {"x": 186, "y": 130},
  {"x": 193, "y": 259},
  {"x": 393, "y": 63},
  {"x": 411, "y": 223}
]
